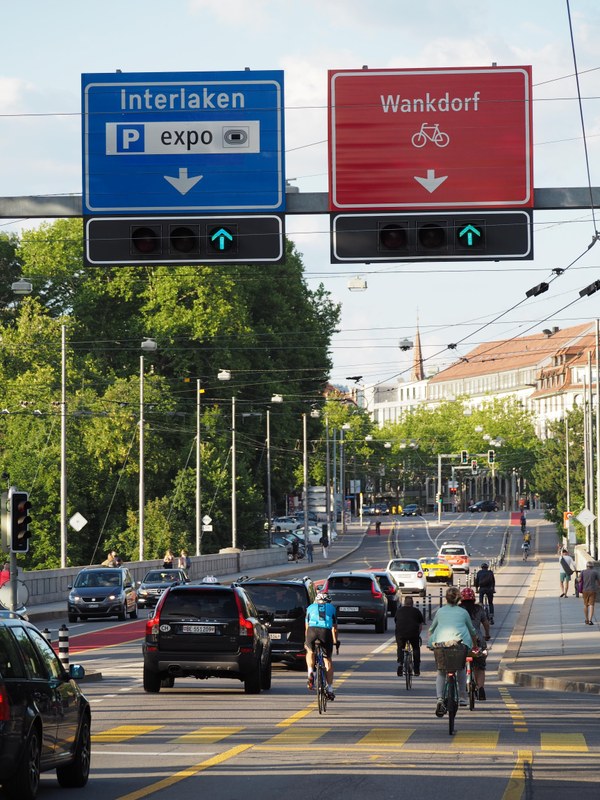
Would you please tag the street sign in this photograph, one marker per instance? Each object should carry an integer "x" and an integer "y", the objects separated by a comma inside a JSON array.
[
  {"x": 77, "y": 521},
  {"x": 431, "y": 139},
  {"x": 206, "y": 520},
  {"x": 586, "y": 517},
  {"x": 183, "y": 142}
]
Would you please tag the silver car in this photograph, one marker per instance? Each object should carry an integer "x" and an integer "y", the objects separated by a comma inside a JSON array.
[{"x": 409, "y": 575}]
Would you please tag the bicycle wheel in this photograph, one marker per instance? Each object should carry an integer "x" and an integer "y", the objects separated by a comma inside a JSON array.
[
  {"x": 471, "y": 689},
  {"x": 451, "y": 700},
  {"x": 408, "y": 668},
  {"x": 321, "y": 685}
]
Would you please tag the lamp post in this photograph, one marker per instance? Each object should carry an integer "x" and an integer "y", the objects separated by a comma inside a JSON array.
[
  {"x": 225, "y": 375},
  {"x": 63, "y": 447},
  {"x": 199, "y": 393},
  {"x": 345, "y": 427},
  {"x": 276, "y": 398},
  {"x": 148, "y": 346}
]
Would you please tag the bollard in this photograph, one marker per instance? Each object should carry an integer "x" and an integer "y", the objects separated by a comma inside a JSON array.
[
  {"x": 429, "y": 606},
  {"x": 47, "y": 634},
  {"x": 63, "y": 646},
  {"x": 441, "y": 596}
]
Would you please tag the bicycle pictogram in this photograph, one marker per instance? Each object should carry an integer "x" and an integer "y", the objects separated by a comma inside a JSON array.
[{"x": 430, "y": 133}]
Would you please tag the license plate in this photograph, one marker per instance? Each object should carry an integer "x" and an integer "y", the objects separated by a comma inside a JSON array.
[
  {"x": 198, "y": 628},
  {"x": 92, "y": 605},
  {"x": 274, "y": 636},
  {"x": 348, "y": 608}
]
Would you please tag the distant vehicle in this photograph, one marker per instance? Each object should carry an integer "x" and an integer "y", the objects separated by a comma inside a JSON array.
[
  {"x": 358, "y": 598},
  {"x": 483, "y": 505},
  {"x": 409, "y": 575},
  {"x": 411, "y": 510},
  {"x": 369, "y": 511},
  {"x": 313, "y": 517},
  {"x": 381, "y": 509},
  {"x": 155, "y": 582},
  {"x": 286, "y": 523},
  {"x": 457, "y": 555},
  {"x": 45, "y": 719},
  {"x": 436, "y": 569},
  {"x": 102, "y": 592}
]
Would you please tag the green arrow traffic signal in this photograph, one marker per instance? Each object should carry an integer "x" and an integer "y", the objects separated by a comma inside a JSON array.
[
  {"x": 467, "y": 235},
  {"x": 221, "y": 239}
]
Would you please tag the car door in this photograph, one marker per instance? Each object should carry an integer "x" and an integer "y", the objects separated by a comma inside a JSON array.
[
  {"x": 130, "y": 592},
  {"x": 65, "y": 697}
]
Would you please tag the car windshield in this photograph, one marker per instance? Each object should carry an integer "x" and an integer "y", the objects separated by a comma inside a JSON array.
[
  {"x": 200, "y": 605},
  {"x": 288, "y": 601},
  {"x": 162, "y": 576},
  {"x": 97, "y": 579},
  {"x": 454, "y": 551},
  {"x": 404, "y": 566}
]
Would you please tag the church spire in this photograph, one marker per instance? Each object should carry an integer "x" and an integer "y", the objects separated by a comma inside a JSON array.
[{"x": 418, "y": 373}]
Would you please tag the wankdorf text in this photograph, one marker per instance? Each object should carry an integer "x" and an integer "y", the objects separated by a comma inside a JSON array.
[{"x": 395, "y": 103}]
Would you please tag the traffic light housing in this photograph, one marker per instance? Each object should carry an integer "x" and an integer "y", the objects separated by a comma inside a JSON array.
[
  {"x": 237, "y": 239},
  {"x": 464, "y": 456},
  {"x": 491, "y": 456},
  {"x": 19, "y": 522},
  {"x": 474, "y": 466},
  {"x": 447, "y": 236}
]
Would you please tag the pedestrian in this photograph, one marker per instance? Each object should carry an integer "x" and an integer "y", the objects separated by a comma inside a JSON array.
[
  {"x": 295, "y": 548},
  {"x": 409, "y": 624},
  {"x": 485, "y": 583},
  {"x": 567, "y": 568},
  {"x": 589, "y": 585},
  {"x": 378, "y": 527},
  {"x": 112, "y": 560},
  {"x": 168, "y": 560},
  {"x": 309, "y": 552},
  {"x": 5, "y": 574},
  {"x": 184, "y": 561},
  {"x": 324, "y": 544}
]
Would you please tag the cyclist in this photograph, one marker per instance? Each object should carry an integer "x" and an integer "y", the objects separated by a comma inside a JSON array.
[
  {"x": 451, "y": 624},
  {"x": 523, "y": 522},
  {"x": 480, "y": 621},
  {"x": 485, "y": 583},
  {"x": 409, "y": 624},
  {"x": 525, "y": 548},
  {"x": 321, "y": 623}
]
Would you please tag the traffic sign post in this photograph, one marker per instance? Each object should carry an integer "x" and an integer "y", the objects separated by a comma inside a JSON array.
[
  {"x": 431, "y": 139},
  {"x": 190, "y": 142}
]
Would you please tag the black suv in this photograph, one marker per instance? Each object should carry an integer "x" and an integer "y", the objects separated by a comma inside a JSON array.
[
  {"x": 206, "y": 631},
  {"x": 102, "y": 592},
  {"x": 357, "y": 597},
  {"x": 44, "y": 717},
  {"x": 283, "y": 604}
]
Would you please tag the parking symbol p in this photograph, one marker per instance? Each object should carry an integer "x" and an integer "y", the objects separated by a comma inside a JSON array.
[{"x": 129, "y": 138}]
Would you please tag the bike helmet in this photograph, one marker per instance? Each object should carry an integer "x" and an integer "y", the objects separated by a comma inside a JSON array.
[
  {"x": 323, "y": 597},
  {"x": 467, "y": 594}
]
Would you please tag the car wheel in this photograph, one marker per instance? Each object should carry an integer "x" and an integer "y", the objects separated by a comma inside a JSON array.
[
  {"x": 72, "y": 617},
  {"x": 133, "y": 613},
  {"x": 26, "y": 779},
  {"x": 152, "y": 681},
  {"x": 122, "y": 613},
  {"x": 253, "y": 681},
  {"x": 76, "y": 774},
  {"x": 266, "y": 677},
  {"x": 381, "y": 625}
]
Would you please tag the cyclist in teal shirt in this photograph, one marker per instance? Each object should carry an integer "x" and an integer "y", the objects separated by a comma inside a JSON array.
[{"x": 321, "y": 623}]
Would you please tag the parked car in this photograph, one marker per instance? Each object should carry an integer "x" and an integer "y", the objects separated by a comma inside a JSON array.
[
  {"x": 411, "y": 510},
  {"x": 436, "y": 570},
  {"x": 315, "y": 532},
  {"x": 45, "y": 719},
  {"x": 358, "y": 598},
  {"x": 206, "y": 631},
  {"x": 369, "y": 511},
  {"x": 283, "y": 604},
  {"x": 409, "y": 575},
  {"x": 313, "y": 517},
  {"x": 457, "y": 555},
  {"x": 286, "y": 523},
  {"x": 155, "y": 582},
  {"x": 483, "y": 505},
  {"x": 390, "y": 588},
  {"x": 102, "y": 592}
]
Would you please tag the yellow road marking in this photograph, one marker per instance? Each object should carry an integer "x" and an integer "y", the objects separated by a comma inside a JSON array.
[
  {"x": 386, "y": 737},
  {"x": 516, "y": 783},
  {"x": 298, "y": 736},
  {"x": 208, "y": 735},
  {"x": 516, "y": 715},
  {"x": 186, "y": 773},
  {"x": 124, "y": 732},
  {"x": 297, "y": 716},
  {"x": 565, "y": 742},
  {"x": 478, "y": 740}
]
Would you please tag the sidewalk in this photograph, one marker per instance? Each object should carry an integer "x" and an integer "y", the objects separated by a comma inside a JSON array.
[{"x": 550, "y": 646}]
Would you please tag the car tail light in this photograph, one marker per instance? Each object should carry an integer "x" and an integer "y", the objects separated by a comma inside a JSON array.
[
  {"x": 419, "y": 574},
  {"x": 374, "y": 591},
  {"x": 4, "y": 704},
  {"x": 246, "y": 627}
]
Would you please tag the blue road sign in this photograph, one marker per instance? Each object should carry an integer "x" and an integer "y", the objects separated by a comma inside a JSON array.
[{"x": 183, "y": 142}]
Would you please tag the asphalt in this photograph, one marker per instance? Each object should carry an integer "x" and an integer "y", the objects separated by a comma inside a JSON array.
[{"x": 550, "y": 646}]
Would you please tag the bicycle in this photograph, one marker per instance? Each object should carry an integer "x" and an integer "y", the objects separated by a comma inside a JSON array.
[
  {"x": 430, "y": 133},
  {"x": 450, "y": 659},
  {"x": 408, "y": 664},
  {"x": 321, "y": 680},
  {"x": 471, "y": 685},
  {"x": 525, "y": 549}
]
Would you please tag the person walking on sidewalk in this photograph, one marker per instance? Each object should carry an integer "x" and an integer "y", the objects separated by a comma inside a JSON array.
[
  {"x": 567, "y": 568},
  {"x": 590, "y": 583}
]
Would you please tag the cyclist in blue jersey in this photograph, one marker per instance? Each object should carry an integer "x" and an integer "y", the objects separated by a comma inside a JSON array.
[{"x": 321, "y": 623}]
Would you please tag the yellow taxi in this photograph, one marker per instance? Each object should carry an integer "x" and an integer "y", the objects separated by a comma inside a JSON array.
[{"x": 436, "y": 570}]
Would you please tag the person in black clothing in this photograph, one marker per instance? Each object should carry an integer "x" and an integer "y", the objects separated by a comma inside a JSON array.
[
  {"x": 485, "y": 583},
  {"x": 409, "y": 624}
]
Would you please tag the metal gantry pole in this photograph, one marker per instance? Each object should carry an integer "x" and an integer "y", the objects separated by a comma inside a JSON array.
[
  {"x": 327, "y": 476},
  {"x": 198, "y": 472},
  {"x": 233, "y": 479},
  {"x": 439, "y": 487},
  {"x": 269, "y": 509},
  {"x": 141, "y": 466},
  {"x": 305, "y": 475},
  {"x": 342, "y": 481},
  {"x": 63, "y": 446},
  {"x": 596, "y": 552}
]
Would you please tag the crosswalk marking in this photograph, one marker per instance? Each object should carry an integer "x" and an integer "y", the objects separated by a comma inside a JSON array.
[
  {"x": 390, "y": 737},
  {"x": 208, "y": 734},
  {"x": 298, "y": 736},
  {"x": 124, "y": 732},
  {"x": 478, "y": 740},
  {"x": 565, "y": 742}
]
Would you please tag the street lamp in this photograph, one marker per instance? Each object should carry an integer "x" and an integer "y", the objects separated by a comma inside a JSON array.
[
  {"x": 225, "y": 375},
  {"x": 345, "y": 427},
  {"x": 276, "y": 398},
  {"x": 148, "y": 346}
]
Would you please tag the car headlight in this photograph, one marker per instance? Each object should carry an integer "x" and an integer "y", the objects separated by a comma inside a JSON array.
[
  {"x": 113, "y": 596},
  {"x": 143, "y": 592},
  {"x": 75, "y": 598}
]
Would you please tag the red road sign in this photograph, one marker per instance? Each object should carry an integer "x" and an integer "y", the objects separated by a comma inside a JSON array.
[{"x": 430, "y": 138}]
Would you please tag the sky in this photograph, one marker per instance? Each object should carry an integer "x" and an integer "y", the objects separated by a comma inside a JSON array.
[{"x": 47, "y": 46}]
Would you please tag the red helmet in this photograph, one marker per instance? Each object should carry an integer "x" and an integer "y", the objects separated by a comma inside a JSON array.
[{"x": 467, "y": 594}]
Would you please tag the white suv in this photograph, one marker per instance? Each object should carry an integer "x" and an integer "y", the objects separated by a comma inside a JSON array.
[
  {"x": 457, "y": 555},
  {"x": 409, "y": 575}
]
